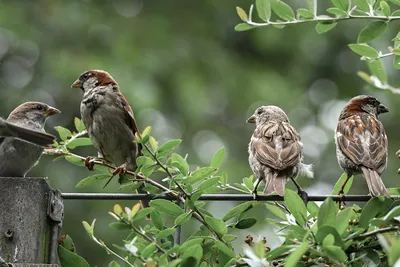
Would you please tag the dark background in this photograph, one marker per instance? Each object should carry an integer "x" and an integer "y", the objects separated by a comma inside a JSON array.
[{"x": 189, "y": 75}]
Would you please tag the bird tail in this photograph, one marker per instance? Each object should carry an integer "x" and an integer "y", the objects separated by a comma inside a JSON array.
[
  {"x": 38, "y": 138},
  {"x": 375, "y": 183},
  {"x": 275, "y": 182}
]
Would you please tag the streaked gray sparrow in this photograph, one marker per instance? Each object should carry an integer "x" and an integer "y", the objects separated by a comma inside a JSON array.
[
  {"x": 361, "y": 142},
  {"x": 275, "y": 150},
  {"x": 109, "y": 119},
  {"x": 26, "y": 122}
]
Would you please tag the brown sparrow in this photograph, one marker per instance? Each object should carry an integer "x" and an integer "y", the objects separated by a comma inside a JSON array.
[
  {"x": 275, "y": 151},
  {"x": 109, "y": 119},
  {"x": 361, "y": 142},
  {"x": 25, "y": 123}
]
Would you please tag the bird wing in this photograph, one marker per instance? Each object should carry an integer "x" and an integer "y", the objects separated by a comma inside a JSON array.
[
  {"x": 276, "y": 145},
  {"x": 363, "y": 140},
  {"x": 130, "y": 119}
]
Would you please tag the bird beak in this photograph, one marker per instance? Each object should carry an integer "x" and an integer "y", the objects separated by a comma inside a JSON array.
[
  {"x": 52, "y": 111},
  {"x": 77, "y": 84},
  {"x": 252, "y": 119},
  {"x": 382, "y": 109}
]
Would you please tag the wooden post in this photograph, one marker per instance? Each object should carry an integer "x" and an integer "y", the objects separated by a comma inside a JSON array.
[{"x": 30, "y": 215}]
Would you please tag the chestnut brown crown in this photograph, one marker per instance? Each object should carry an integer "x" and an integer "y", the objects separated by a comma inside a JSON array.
[
  {"x": 93, "y": 78},
  {"x": 363, "y": 104}
]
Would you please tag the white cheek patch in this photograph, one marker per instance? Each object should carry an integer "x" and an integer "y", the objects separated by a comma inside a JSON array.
[{"x": 338, "y": 134}]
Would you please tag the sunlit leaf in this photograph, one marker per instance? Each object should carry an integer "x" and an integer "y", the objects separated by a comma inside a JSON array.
[
  {"x": 385, "y": 8},
  {"x": 264, "y": 9},
  {"x": 364, "y": 50},
  {"x": 168, "y": 147},
  {"x": 218, "y": 158},
  {"x": 242, "y": 14},
  {"x": 216, "y": 224},
  {"x": 305, "y": 13},
  {"x": 283, "y": 11},
  {"x": 377, "y": 70},
  {"x": 64, "y": 133},
  {"x": 243, "y": 27},
  {"x": 79, "y": 126},
  {"x": 82, "y": 141}
]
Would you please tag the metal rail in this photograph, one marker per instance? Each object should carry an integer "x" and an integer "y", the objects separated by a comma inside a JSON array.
[{"x": 210, "y": 197}]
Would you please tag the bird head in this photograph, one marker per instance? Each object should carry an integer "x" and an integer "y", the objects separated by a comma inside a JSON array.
[
  {"x": 267, "y": 113},
  {"x": 93, "y": 78},
  {"x": 364, "y": 103},
  {"x": 32, "y": 112}
]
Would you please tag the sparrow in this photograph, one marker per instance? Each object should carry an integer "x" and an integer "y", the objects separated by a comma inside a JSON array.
[
  {"x": 25, "y": 123},
  {"x": 275, "y": 151},
  {"x": 361, "y": 142},
  {"x": 109, "y": 120}
]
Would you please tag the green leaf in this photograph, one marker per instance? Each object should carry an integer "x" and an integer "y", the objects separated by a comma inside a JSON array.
[
  {"x": 326, "y": 230},
  {"x": 236, "y": 211},
  {"x": 385, "y": 8},
  {"x": 149, "y": 250},
  {"x": 264, "y": 9},
  {"x": 337, "y": 12},
  {"x": 296, "y": 206},
  {"x": 242, "y": 14},
  {"x": 377, "y": 70},
  {"x": 363, "y": 5},
  {"x": 71, "y": 259},
  {"x": 396, "y": 62},
  {"x": 364, "y": 50},
  {"x": 341, "y": 4},
  {"x": 216, "y": 224},
  {"x": 114, "y": 264},
  {"x": 157, "y": 220},
  {"x": 190, "y": 243},
  {"x": 312, "y": 6},
  {"x": 93, "y": 179},
  {"x": 218, "y": 158},
  {"x": 79, "y": 126},
  {"x": 305, "y": 13},
  {"x": 343, "y": 218},
  {"x": 323, "y": 27},
  {"x": 327, "y": 213},
  {"x": 208, "y": 183},
  {"x": 335, "y": 252},
  {"x": 199, "y": 174},
  {"x": 339, "y": 184},
  {"x": 370, "y": 210},
  {"x": 277, "y": 252},
  {"x": 224, "y": 248},
  {"x": 75, "y": 160},
  {"x": 82, "y": 141},
  {"x": 241, "y": 27},
  {"x": 312, "y": 208},
  {"x": 396, "y": 2},
  {"x": 145, "y": 135},
  {"x": 166, "y": 207},
  {"x": 183, "y": 218},
  {"x": 164, "y": 233},
  {"x": 182, "y": 165},
  {"x": 245, "y": 223},
  {"x": 64, "y": 133},
  {"x": 191, "y": 256},
  {"x": 329, "y": 240},
  {"x": 282, "y": 10},
  {"x": 278, "y": 212},
  {"x": 89, "y": 228},
  {"x": 296, "y": 255},
  {"x": 394, "y": 254},
  {"x": 135, "y": 209},
  {"x": 167, "y": 147},
  {"x": 372, "y": 31}
]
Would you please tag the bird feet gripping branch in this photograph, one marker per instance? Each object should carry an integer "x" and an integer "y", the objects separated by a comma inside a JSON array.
[{"x": 120, "y": 170}]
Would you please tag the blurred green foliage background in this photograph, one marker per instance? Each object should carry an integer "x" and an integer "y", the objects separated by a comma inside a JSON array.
[{"x": 189, "y": 75}]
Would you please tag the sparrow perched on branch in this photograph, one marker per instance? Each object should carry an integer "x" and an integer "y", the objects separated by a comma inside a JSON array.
[
  {"x": 275, "y": 151},
  {"x": 109, "y": 120},
  {"x": 361, "y": 142},
  {"x": 25, "y": 123}
]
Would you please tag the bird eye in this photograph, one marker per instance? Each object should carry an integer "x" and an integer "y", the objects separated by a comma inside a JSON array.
[
  {"x": 86, "y": 75},
  {"x": 259, "y": 111},
  {"x": 39, "y": 107}
]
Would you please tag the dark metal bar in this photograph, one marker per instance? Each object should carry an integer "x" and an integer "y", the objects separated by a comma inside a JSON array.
[
  {"x": 210, "y": 197},
  {"x": 53, "y": 255}
]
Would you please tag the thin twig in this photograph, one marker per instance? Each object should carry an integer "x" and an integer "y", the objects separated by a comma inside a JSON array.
[{"x": 375, "y": 232}]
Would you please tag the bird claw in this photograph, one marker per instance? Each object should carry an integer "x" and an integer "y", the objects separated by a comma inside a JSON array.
[
  {"x": 255, "y": 195},
  {"x": 303, "y": 195},
  {"x": 89, "y": 162},
  {"x": 341, "y": 195},
  {"x": 121, "y": 170}
]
